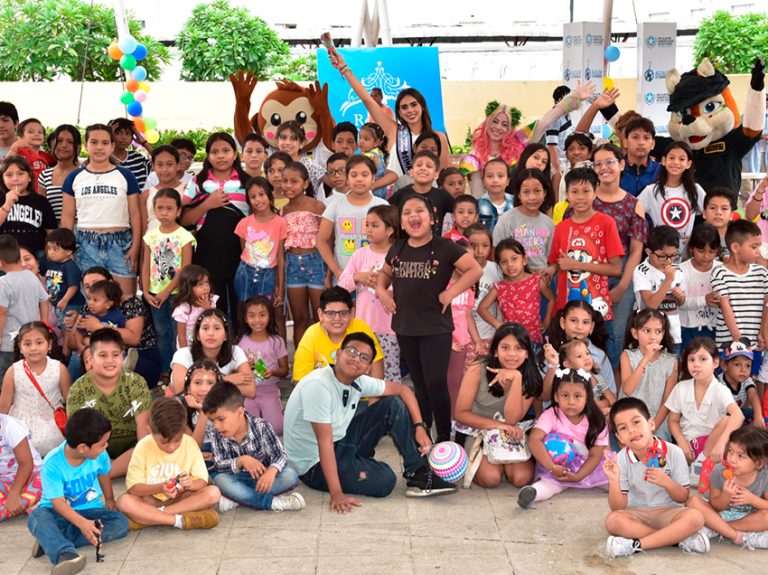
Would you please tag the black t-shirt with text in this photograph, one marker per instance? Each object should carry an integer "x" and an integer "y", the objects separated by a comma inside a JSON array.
[{"x": 441, "y": 200}]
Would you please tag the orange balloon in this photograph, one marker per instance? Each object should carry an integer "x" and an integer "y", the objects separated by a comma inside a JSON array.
[
  {"x": 131, "y": 85},
  {"x": 114, "y": 51},
  {"x": 139, "y": 123}
]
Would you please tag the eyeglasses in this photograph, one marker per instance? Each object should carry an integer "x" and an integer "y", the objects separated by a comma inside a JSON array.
[
  {"x": 667, "y": 257},
  {"x": 607, "y": 163},
  {"x": 331, "y": 314},
  {"x": 187, "y": 156},
  {"x": 353, "y": 353},
  {"x": 339, "y": 172}
]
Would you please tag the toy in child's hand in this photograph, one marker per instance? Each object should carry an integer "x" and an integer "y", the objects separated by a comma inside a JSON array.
[
  {"x": 560, "y": 448},
  {"x": 327, "y": 41},
  {"x": 655, "y": 457},
  {"x": 100, "y": 526},
  {"x": 706, "y": 470},
  {"x": 259, "y": 367},
  {"x": 174, "y": 484}
]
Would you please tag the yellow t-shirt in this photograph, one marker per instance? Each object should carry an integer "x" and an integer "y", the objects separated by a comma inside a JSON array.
[
  {"x": 317, "y": 350},
  {"x": 150, "y": 465}
]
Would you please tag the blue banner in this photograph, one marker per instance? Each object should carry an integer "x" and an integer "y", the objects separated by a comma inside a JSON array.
[{"x": 391, "y": 69}]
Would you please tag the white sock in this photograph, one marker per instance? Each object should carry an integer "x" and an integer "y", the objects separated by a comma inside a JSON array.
[{"x": 179, "y": 524}]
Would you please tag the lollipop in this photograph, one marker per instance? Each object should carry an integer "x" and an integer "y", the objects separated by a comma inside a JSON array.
[{"x": 448, "y": 460}]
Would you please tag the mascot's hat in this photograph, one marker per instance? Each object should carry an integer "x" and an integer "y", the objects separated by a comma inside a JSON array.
[{"x": 693, "y": 88}]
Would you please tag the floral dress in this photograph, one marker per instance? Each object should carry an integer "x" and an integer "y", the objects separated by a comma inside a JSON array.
[{"x": 520, "y": 302}]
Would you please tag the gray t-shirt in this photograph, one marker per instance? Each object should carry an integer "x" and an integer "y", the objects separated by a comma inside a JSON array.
[
  {"x": 348, "y": 223},
  {"x": 642, "y": 493},
  {"x": 759, "y": 486},
  {"x": 534, "y": 233},
  {"x": 20, "y": 293}
]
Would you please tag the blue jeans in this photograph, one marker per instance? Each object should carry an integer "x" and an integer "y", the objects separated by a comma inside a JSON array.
[
  {"x": 251, "y": 281},
  {"x": 359, "y": 473},
  {"x": 305, "y": 270},
  {"x": 241, "y": 487},
  {"x": 106, "y": 249},
  {"x": 165, "y": 328},
  {"x": 56, "y": 535}
]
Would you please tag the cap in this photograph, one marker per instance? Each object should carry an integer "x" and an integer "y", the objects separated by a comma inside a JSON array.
[{"x": 736, "y": 349}]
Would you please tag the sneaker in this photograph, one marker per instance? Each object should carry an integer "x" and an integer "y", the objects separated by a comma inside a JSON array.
[
  {"x": 755, "y": 540},
  {"x": 135, "y": 525},
  {"x": 68, "y": 564},
  {"x": 200, "y": 519},
  {"x": 291, "y": 502},
  {"x": 696, "y": 543},
  {"x": 37, "y": 550},
  {"x": 226, "y": 505},
  {"x": 131, "y": 357},
  {"x": 709, "y": 533},
  {"x": 424, "y": 483},
  {"x": 525, "y": 496},
  {"x": 619, "y": 547}
]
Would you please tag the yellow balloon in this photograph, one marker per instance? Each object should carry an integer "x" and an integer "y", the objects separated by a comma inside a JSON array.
[
  {"x": 152, "y": 136},
  {"x": 608, "y": 83},
  {"x": 144, "y": 86}
]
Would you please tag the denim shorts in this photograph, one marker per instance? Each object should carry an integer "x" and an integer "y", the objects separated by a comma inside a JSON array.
[
  {"x": 251, "y": 281},
  {"x": 306, "y": 270},
  {"x": 106, "y": 249}
]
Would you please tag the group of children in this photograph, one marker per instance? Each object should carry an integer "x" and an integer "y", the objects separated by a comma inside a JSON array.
[{"x": 514, "y": 306}]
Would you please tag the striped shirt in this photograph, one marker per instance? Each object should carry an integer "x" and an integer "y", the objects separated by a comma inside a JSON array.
[
  {"x": 260, "y": 442},
  {"x": 746, "y": 293},
  {"x": 138, "y": 165},
  {"x": 53, "y": 193}
]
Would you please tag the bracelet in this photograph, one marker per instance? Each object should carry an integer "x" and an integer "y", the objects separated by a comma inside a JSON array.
[
  {"x": 344, "y": 69},
  {"x": 421, "y": 424},
  {"x": 760, "y": 199}
]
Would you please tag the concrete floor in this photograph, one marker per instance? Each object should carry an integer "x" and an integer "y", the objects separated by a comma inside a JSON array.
[{"x": 474, "y": 531}]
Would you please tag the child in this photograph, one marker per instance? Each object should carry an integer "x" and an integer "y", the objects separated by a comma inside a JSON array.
[
  {"x": 75, "y": 476},
  {"x": 22, "y": 298},
  {"x": 419, "y": 269},
  {"x": 464, "y": 215},
  {"x": 424, "y": 171},
  {"x": 528, "y": 223},
  {"x": 291, "y": 138},
  {"x": 640, "y": 170},
  {"x": 167, "y": 482},
  {"x": 262, "y": 238},
  {"x": 574, "y": 418},
  {"x": 647, "y": 499},
  {"x": 702, "y": 412},
  {"x": 36, "y": 385},
  {"x": 254, "y": 153},
  {"x": 698, "y": 315},
  {"x": 675, "y": 198},
  {"x": 480, "y": 239},
  {"x": 428, "y": 141},
  {"x": 648, "y": 366},
  {"x": 586, "y": 248},
  {"x": 495, "y": 201},
  {"x": 62, "y": 276},
  {"x": 452, "y": 181},
  {"x": 574, "y": 354},
  {"x": 719, "y": 206},
  {"x": 24, "y": 213},
  {"x": 125, "y": 132},
  {"x": 193, "y": 298},
  {"x": 273, "y": 170},
  {"x": 336, "y": 174},
  {"x": 737, "y": 365},
  {"x": 361, "y": 276},
  {"x": 167, "y": 250},
  {"x": 373, "y": 144},
  {"x": 29, "y": 146},
  {"x": 345, "y": 139},
  {"x": 657, "y": 281},
  {"x": 251, "y": 465},
  {"x": 258, "y": 336},
  {"x": 742, "y": 286},
  {"x": 187, "y": 150},
  {"x": 165, "y": 163},
  {"x": 201, "y": 376},
  {"x": 738, "y": 491},
  {"x": 30, "y": 262},
  {"x": 519, "y": 293},
  {"x": 104, "y": 305},
  {"x": 756, "y": 210},
  {"x": 305, "y": 270},
  {"x": 66, "y": 142},
  {"x": 121, "y": 395},
  {"x": 578, "y": 148},
  {"x": 20, "y": 487},
  {"x": 341, "y": 229},
  {"x": 505, "y": 382}
]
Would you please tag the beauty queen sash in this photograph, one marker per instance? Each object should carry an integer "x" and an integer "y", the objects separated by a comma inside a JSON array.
[{"x": 404, "y": 147}]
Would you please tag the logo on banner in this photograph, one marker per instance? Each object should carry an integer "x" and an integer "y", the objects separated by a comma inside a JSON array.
[
  {"x": 649, "y": 98},
  {"x": 675, "y": 212},
  {"x": 569, "y": 40},
  {"x": 389, "y": 84},
  {"x": 649, "y": 75},
  {"x": 567, "y": 74},
  {"x": 589, "y": 39},
  {"x": 587, "y": 73},
  {"x": 650, "y": 41}
]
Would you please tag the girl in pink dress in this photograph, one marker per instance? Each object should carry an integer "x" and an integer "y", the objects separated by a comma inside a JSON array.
[{"x": 519, "y": 293}]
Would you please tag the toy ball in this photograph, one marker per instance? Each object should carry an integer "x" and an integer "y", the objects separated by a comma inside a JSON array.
[
  {"x": 608, "y": 83},
  {"x": 140, "y": 52},
  {"x": 127, "y": 62},
  {"x": 126, "y": 98},
  {"x": 127, "y": 45},
  {"x": 135, "y": 109},
  {"x": 612, "y": 53},
  {"x": 560, "y": 448},
  {"x": 132, "y": 85},
  {"x": 114, "y": 51},
  {"x": 448, "y": 460},
  {"x": 139, "y": 95},
  {"x": 152, "y": 136},
  {"x": 151, "y": 123},
  {"x": 139, "y": 74}
]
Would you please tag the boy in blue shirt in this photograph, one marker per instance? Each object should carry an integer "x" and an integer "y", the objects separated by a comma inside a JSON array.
[{"x": 75, "y": 476}]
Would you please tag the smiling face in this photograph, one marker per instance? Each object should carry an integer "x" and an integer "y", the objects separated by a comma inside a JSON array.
[
  {"x": 288, "y": 142},
  {"x": 581, "y": 197},
  {"x": 577, "y": 152},
  {"x": 257, "y": 318},
  {"x": 495, "y": 177},
  {"x": 634, "y": 430},
  {"x": 538, "y": 160},
  {"x": 294, "y": 185},
  {"x": 200, "y": 383},
  {"x": 608, "y": 167},
  {"x": 415, "y": 219},
  {"x": 99, "y": 146},
  {"x": 258, "y": 199},
  {"x": 511, "y": 264},
  {"x": 15, "y": 179},
  {"x": 34, "y": 345},
  {"x": 34, "y": 135},
  {"x": 409, "y": 111},
  {"x": 335, "y": 318},
  {"x": 64, "y": 147},
  {"x": 106, "y": 360},
  {"x": 577, "y": 323},
  {"x": 498, "y": 126},
  {"x": 711, "y": 120},
  {"x": 510, "y": 353},
  {"x": 424, "y": 171},
  {"x": 166, "y": 167},
  {"x": 352, "y": 365},
  {"x": 676, "y": 162},
  {"x": 29, "y": 261}
]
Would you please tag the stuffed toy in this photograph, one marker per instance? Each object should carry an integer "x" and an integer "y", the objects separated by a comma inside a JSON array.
[{"x": 289, "y": 101}]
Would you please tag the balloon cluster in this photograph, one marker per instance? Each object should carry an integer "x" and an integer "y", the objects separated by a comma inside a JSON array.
[
  {"x": 612, "y": 54},
  {"x": 128, "y": 51}
]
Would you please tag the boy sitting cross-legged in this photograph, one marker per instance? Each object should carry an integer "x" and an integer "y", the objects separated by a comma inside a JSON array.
[{"x": 167, "y": 480}]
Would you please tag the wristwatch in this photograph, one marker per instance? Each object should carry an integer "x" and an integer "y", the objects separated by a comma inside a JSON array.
[{"x": 421, "y": 424}]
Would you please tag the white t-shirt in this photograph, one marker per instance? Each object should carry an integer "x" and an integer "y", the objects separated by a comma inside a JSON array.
[
  {"x": 183, "y": 357},
  {"x": 698, "y": 421},
  {"x": 101, "y": 198},
  {"x": 153, "y": 180},
  {"x": 695, "y": 312},
  {"x": 13, "y": 432},
  {"x": 648, "y": 278},
  {"x": 674, "y": 209},
  {"x": 348, "y": 225},
  {"x": 491, "y": 276}
]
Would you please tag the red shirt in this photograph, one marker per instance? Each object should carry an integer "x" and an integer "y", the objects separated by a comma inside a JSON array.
[{"x": 38, "y": 161}]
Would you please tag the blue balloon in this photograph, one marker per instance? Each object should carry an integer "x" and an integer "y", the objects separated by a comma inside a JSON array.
[
  {"x": 139, "y": 73},
  {"x": 140, "y": 52},
  {"x": 135, "y": 109},
  {"x": 612, "y": 53},
  {"x": 127, "y": 45}
]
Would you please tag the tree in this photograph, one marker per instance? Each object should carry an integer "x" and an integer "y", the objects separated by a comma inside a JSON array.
[
  {"x": 732, "y": 43},
  {"x": 44, "y": 40},
  {"x": 219, "y": 39},
  {"x": 298, "y": 69}
]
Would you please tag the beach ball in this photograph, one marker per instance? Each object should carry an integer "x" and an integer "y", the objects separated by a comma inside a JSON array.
[
  {"x": 612, "y": 53},
  {"x": 448, "y": 460},
  {"x": 560, "y": 448}
]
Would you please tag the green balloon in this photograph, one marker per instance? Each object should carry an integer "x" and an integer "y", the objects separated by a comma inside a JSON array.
[
  {"x": 128, "y": 62},
  {"x": 150, "y": 123},
  {"x": 126, "y": 98}
]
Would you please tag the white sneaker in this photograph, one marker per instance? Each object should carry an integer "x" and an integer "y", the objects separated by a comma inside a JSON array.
[
  {"x": 226, "y": 505},
  {"x": 619, "y": 547},
  {"x": 710, "y": 533},
  {"x": 292, "y": 502},
  {"x": 696, "y": 543},
  {"x": 756, "y": 540}
]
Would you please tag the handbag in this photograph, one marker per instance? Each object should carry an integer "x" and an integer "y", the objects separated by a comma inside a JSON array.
[
  {"x": 59, "y": 414},
  {"x": 500, "y": 448}
]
